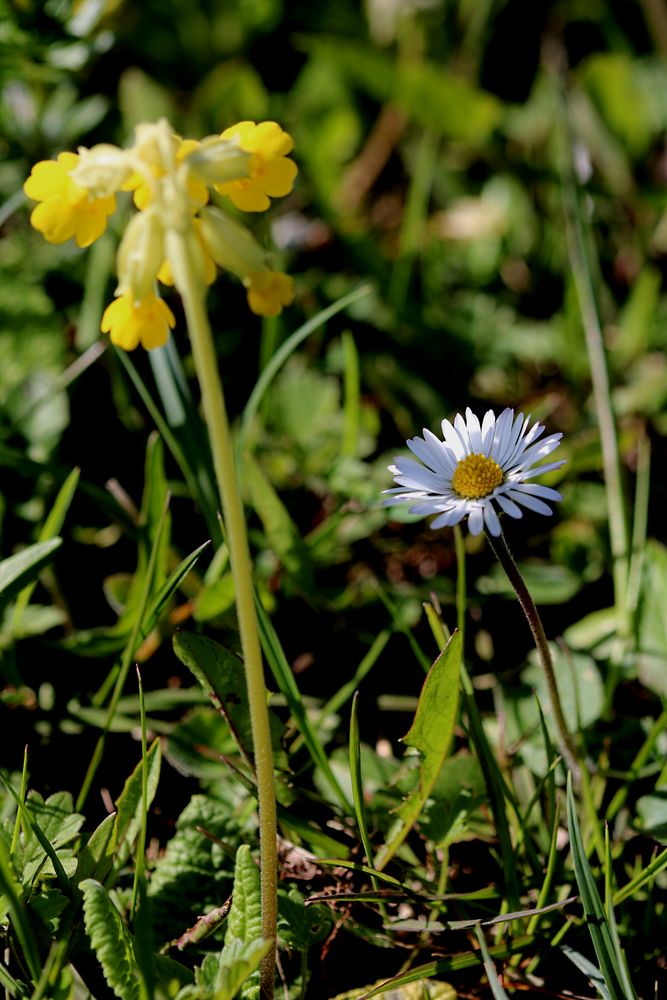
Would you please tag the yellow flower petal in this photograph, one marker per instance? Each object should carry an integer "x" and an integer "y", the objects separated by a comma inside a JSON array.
[
  {"x": 245, "y": 196},
  {"x": 269, "y": 291},
  {"x": 131, "y": 323},
  {"x": 271, "y": 173},
  {"x": 66, "y": 209},
  {"x": 277, "y": 178}
]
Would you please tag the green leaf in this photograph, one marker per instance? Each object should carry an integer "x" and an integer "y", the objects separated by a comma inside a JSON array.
[
  {"x": 596, "y": 918},
  {"x": 652, "y": 622},
  {"x": 193, "y": 875},
  {"x": 16, "y": 906},
  {"x": 423, "y": 989},
  {"x": 221, "y": 675},
  {"x": 431, "y": 734},
  {"x": 20, "y": 570},
  {"x": 96, "y": 856},
  {"x": 244, "y": 946},
  {"x": 129, "y": 802},
  {"x": 302, "y": 926},
  {"x": 281, "y": 532},
  {"x": 240, "y": 977},
  {"x": 50, "y": 530},
  {"x": 611, "y": 80},
  {"x": 110, "y": 940}
]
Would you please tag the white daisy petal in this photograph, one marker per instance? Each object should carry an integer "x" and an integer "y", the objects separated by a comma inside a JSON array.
[
  {"x": 536, "y": 490},
  {"x": 424, "y": 452},
  {"x": 532, "y": 503},
  {"x": 449, "y": 518},
  {"x": 508, "y": 506},
  {"x": 452, "y": 440},
  {"x": 475, "y": 466},
  {"x": 476, "y": 520},
  {"x": 488, "y": 428},
  {"x": 461, "y": 429},
  {"x": 440, "y": 453},
  {"x": 491, "y": 519},
  {"x": 549, "y": 467},
  {"x": 474, "y": 431}
]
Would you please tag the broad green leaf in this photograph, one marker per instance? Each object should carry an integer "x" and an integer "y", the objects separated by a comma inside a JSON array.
[
  {"x": 302, "y": 926},
  {"x": 193, "y": 875},
  {"x": 431, "y": 734},
  {"x": 652, "y": 622},
  {"x": 281, "y": 532},
  {"x": 129, "y": 802},
  {"x": 240, "y": 977},
  {"x": 610, "y": 78},
  {"x": 244, "y": 946},
  {"x": 652, "y": 812},
  {"x": 110, "y": 940},
  {"x": 221, "y": 675},
  {"x": 20, "y": 570},
  {"x": 96, "y": 856}
]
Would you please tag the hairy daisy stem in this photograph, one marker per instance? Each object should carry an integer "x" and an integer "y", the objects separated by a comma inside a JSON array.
[
  {"x": 504, "y": 557},
  {"x": 183, "y": 253}
]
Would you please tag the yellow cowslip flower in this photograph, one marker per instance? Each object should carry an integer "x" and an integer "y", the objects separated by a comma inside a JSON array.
[
  {"x": 269, "y": 292},
  {"x": 140, "y": 186},
  {"x": 131, "y": 322},
  {"x": 66, "y": 209},
  {"x": 271, "y": 173}
]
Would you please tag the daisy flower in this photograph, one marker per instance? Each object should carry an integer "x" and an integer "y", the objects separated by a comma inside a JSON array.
[{"x": 476, "y": 467}]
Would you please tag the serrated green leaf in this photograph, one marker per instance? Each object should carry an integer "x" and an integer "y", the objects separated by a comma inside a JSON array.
[
  {"x": 240, "y": 978},
  {"x": 431, "y": 734},
  {"x": 245, "y": 917},
  {"x": 244, "y": 946},
  {"x": 110, "y": 940},
  {"x": 194, "y": 873}
]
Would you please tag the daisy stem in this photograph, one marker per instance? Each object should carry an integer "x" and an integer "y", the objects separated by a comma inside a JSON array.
[
  {"x": 183, "y": 252},
  {"x": 504, "y": 557}
]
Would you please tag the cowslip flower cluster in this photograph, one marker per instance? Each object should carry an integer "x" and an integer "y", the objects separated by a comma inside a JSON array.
[
  {"x": 171, "y": 180},
  {"x": 475, "y": 467}
]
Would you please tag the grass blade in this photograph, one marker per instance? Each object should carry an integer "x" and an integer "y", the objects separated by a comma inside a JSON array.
[{"x": 596, "y": 918}]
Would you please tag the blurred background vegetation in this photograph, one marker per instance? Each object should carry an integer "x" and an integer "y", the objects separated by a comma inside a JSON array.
[{"x": 439, "y": 143}]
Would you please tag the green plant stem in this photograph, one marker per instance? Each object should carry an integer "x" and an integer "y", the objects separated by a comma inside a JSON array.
[
  {"x": 183, "y": 252},
  {"x": 504, "y": 557}
]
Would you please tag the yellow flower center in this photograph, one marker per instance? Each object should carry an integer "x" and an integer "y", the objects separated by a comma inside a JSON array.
[{"x": 476, "y": 476}]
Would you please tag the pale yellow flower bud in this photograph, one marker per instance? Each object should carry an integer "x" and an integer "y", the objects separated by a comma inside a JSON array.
[
  {"x": 140, "y": 254},
  {"x": 155, "y": 146},
  {"x": 230, "y": 244},
  {"x": 101, "y": 170},
  {"x": 219, "y": 161}
]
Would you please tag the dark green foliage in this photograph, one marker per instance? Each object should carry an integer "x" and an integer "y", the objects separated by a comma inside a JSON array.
[{"x": 465, "y": 210}]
